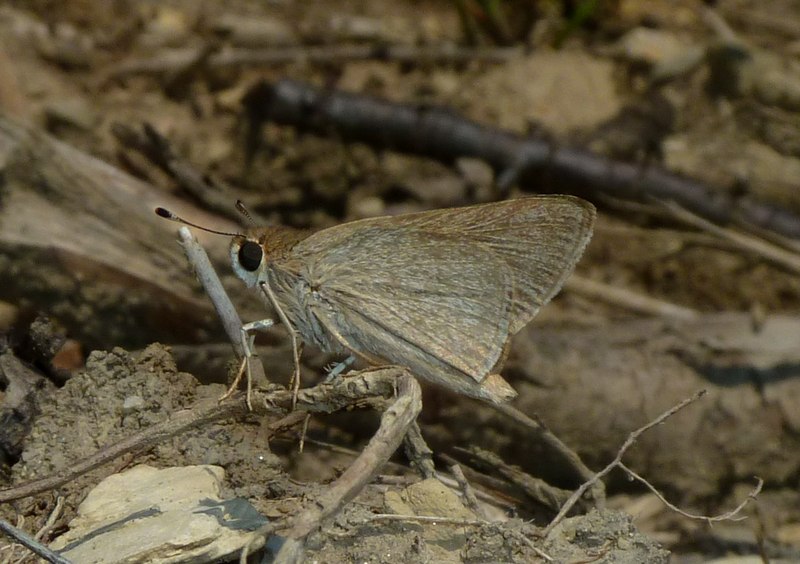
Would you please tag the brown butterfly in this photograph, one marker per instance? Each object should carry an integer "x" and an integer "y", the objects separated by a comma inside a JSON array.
[{"x": 440, "y": 292}]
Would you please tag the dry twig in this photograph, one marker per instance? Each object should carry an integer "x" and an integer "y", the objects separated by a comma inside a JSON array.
[
  {"x": 569, "y": 458},
  {"x": 535, "y": 488},
  {"x": 781, "y": 257},
  {"x": 727, "y": 516},
  {"x": 617, "y": 462},
  {"x": 441, "y": 134},
  {"x": 628, "y": 299},
  {"x": 466, "y": 491},
  {"x": 419, "y": 454},
  {"x": 51, "y": 519},
  {"x": 358, "y": 389},
  {"x": 208, "y": 191},
  {"x": 31, "y": 543},
  {"x": 395, "y": 423}
]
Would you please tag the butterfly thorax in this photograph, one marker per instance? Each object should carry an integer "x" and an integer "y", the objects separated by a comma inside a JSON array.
[{"x": 277, "y": 241}]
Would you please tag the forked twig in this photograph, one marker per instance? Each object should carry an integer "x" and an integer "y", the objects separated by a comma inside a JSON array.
[
  {"x": 457, "y": 522},
  {"x": 569, "y": 457},
  {"x": 632, "y": 438},
  {"x": 31, "y": 543},
  {"x": 358, "y": 389},
  {"x": 617, "y": 462},
  {"x": 727, "y": 516},
  {"x": 395, "y": 422}
]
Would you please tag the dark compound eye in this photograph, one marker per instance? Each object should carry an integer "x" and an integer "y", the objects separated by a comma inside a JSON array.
[{"x": 250, "y": 255}]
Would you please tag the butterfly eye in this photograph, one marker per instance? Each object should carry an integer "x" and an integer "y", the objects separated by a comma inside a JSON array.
[{"x": 250, "y": 255}]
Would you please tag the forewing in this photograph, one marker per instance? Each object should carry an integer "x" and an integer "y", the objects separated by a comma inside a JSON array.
[
  {"x": 541, "y": 239},
  {"x": 429, "y": 301}
]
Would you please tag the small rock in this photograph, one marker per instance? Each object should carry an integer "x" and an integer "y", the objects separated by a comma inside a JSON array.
[
  {"x": 355, "y": 28},
  {"x": 370, "y": 206},
  {"x": 437, "y": 191},
  {"x": 476, "y": 172},
  {"x": 132, "y": 404},
  {"x": 167, "y": 28},
  {"x": 649, "y": 46},
  {"x": 250, "y": 31},
  {"x": 66, "y": 48},
  {"x": 431, "y": 498},
  {"x": 69, "y": 357},
  {"x": 158, "y": 515},
  {"x": 563, "y": 90},
  {"x": 665, "y": 53},
  {"x": 73, "y": 112}
]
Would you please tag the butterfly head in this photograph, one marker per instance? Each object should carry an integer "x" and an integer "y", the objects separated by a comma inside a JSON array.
[{"x": 248, "y": 259}]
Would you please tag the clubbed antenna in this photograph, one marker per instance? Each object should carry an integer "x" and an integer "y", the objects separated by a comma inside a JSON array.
[
  {"x": 166, "y": 214},
  {"x": 243, "y": 210}
]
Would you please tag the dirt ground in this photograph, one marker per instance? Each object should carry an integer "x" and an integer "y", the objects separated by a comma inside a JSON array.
[{"x": 113, "y": 334}]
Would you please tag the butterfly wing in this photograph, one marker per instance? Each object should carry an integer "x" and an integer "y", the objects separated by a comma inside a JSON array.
[
  {"x": 434, "y": 302},
  {"x": 540, "y": 238}
]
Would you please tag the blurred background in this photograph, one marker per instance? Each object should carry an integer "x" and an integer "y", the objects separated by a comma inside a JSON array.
[{"x": 678, "y": 119}]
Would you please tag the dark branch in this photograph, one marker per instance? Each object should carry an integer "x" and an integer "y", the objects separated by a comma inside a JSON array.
[{"x": 441, "y": 134}]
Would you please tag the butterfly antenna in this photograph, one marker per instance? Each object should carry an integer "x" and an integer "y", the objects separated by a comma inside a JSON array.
[
  {"x": 166, "y": 214},
  {"x": 240, "y": 207}
]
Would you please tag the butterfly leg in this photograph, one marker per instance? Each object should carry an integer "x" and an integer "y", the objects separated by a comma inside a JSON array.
[
  {"x": 249, "y": 352},
  {"x": 296, "y": 344},
  {"x": 340, "y": 367}
]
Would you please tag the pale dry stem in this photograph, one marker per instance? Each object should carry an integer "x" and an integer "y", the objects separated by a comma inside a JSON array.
[{"x": 617, "y": 462}]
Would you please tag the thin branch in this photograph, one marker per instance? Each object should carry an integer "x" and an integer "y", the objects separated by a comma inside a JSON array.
[
  {"x": 407, "y": 479},
  {"x": 181, "y": 421},
  {"x": 542, "y": 554},
  {"x": 727, "y": 516},
  {"x": 632, "y": 438},
  {"x": 569, "y": 457},
  {"x": 51, "y": 519},
  {"x": 156, "y": 148},
  {"x": 466, "y": 491},
  {"x": 395, "y": 423},
  {"x": 357, "y": 389},
  {"x": 441, "y": 134},
  {"x": 781, "y": 257},
  {"x": 628, "y": 299},
  {"x": 205, "y": 272},
  {"x": 208, "y": 191},
  {"x": 31, "y": 543},
  {"x": 535, "y": 488},
  {"x": 418, "y": 452}
]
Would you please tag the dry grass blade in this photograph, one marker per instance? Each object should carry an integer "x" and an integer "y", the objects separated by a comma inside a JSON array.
[{"x": 781, "y": 257}]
